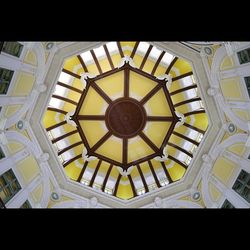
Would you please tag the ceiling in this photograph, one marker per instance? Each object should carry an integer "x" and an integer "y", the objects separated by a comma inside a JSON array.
[{"x": 126, "y": 118}]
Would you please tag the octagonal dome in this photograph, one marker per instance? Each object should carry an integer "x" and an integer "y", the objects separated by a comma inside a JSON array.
[{"x": 126, "y": 118}]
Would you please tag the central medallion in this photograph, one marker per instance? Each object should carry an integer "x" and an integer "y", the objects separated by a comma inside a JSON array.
[{"x": 125, "y": 117}]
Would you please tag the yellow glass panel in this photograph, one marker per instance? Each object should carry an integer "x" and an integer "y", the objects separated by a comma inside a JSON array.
[
  {"x": 137, "y": 149},
  {"x": 72, "y": 171},
  {"x": 113, "y": 85},
  {"x": 93, "y": 130},
  {"x": 49, "y": 119},
  {"x": 78, "y": 150},
  {"x": 116, "y": 59},
  {"x": 134, "y": 173},
  {"x": 93, "y": 104},
  {"x": 200, "y": 121},
  {"x": 104, "y": 64},
  {"x": 161, "y": 70},
  {"x": 104, "y": 167},
  {"x": 112, "y": 148},
  {"x": 158, "y": 105},
  {"x": 92, "y": 68},
  {"x": 183, "y": 66},
  {"x": 124, "y": 192},
  {"x": 130, "y": 44},
  {"x": 93, "y": 164},
  {"x": 157, "y": 131},
  {"x": 137, "y": 60},
  {"x": 74, "y": 138},
  {"x": 139, "y": 85},
  {"x": 148, "y": 66},
  {"x": 77, "y": 84},
  {"x": 145, "y": 168},
  {"x": 176, "y": 172},
  {"x": 156, "y": 164},
  {"x": 70, "y": 63}
]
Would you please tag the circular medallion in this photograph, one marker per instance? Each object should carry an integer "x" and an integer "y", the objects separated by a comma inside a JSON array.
[{"x": 126, "y": 118}]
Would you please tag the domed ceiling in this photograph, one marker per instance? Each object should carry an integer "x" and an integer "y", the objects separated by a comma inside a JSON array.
[{"x": 125, "y": 118}]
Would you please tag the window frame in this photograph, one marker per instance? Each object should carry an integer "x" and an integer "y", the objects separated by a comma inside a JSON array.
[{"x": 16, "y": 57}]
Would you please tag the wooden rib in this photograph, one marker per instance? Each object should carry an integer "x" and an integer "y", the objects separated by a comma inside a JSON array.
[
  {"x": 108, "y": 73},
  {"x": 82, "y": 171},
  {"x": 132, "y": 185},
  {"x": 187, "y": 101},
  {"x": 183, "y": 89},
  {"x": 158, "y": 62},
  {"x": 125, "y": 151},
  {"x": 186, "y": 138},
  {"x": 100, "y": 142},
  {"x": 195, "y": 112},
  {"x": 56, "y": 125},
  {"x": 71, "y": 160},
  {"x": 69, "y": 87},
  {"x": 108, "y": 56},
  {"x": 169, "y": 133},
  {"x": 169, "y": 100},
  {"x": 69, "y": 147},
  {"x": 171, "y": 65},
  {"x": 166, "y": 172},
  {"x": 126, "y": 83},
  {"x": 120, "y": 49},
  {"x": 142, "y": 178},
  {"x": 101, "y": 92},
  {"x": 117, "y": 184},
  {"x": 154, "y": 174},
  {"x": 64, "y": 99},
  {"x": 82, "y": 63},
  {"x": 182, "y": 76},
  {"x": 82, "y": 135},
  {"x": 181, "y": 149},
  {"x": 95, "y": 173},
  {"x": 146, "y": 56},
  {"x": 150, "y": 94},
  {"x": 71, "y": 73},
  {"x": 177, "y": 161},
  {"x": 159, "y": 118},
  {"x": 134, "y": 50},
  {"x": 64, "y": 136},
  {"x": 96, "y": 61},
  {"x": 106, "y": 177},
  {"x": 148, "y": 141},
  {"x": 194, "y": 128},
  {"x": 91, "y": 117},
  {"x": 57, "y": 110}
]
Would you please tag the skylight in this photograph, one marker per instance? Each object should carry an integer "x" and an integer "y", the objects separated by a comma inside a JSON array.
[
  {"x": 87, "y": 57},
  {"x": 155, "y": 53},
  {"x": 112, "y": 47},
  {"x": 143, "y": 47},
  {"x": 65, "y": 78},
  {"x": 99, "y": 52},
  {"x": 167, "y": 58}
]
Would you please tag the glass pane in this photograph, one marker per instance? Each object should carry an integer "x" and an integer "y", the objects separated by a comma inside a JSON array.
[
  {"x": 13, "y": 48},
  {"x": 26, "y": 204},
  {"x": 15, "y": 186},
  {"x": 243, "y": 175},
  {"x": 227, "y": 204},
  {"x": 1, "y": 152},
  {"x": 237, "y": 186},
  {"x": 244, "y": 56},
  {"x": 2, "y": 182},
  {"x": 3, "y": 196},
  {"x": 5, "y": 79},
  {"x": 9, "y": 176}
]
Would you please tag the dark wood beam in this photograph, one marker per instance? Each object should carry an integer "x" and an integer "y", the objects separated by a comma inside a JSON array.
[
  {"x": 57, "y": 110},
  {"x": 82, "y": 135},
  {"x": 101, "y": 92},
  {"x": 134, "y": 50},
  {"x": 132, "y": 185},
  {"x": 194, "y": 128},
  {"x": 117, "y": 184},
  {"x": 91, "y": 117},
  {"x": 186, "y": 138},
  {"x": 69, "y": 147},
  {"x": 96, "y": 61},
  {"x": 146, "y": 57},
  {"x": 120, "y": 49},
  {"x": 82, "y": 63},
  {"x": 154, "y": 174},
  {"x": 63, "y": 136},
  {"x": 148, "y": 141},
  {"x": 157, "y": 62},
  {"x": 171, "y": 65},
  {"x": 69, "y": 87},
  {"x": 182, "y": 76},
  {"x": 177, "y": 161},
  {"x": 106, "y": 177},
  {"x": 64, "y": 99},
  {"x": 166, "y": 172},
  {"x": 160, "y": 118},
  {"x": 187, "y": 101},
  {"x": 82, "y": 98},
  {"x": 71, "y": 73},
  {"x": 108, "y": 56},
  {"x": 125, "y": 151},
  {"x": 142, "y": 178},
  {"x": 169, "y": 100},
  {"x": 101, "y": 141},
  {"x": 150, "y": 94},
  {"x": 181, "y": 149},
  {"x": 200, "y": 111},
  {"x": 95, "y": 173},
  {"x": 108, "y": 73},
  {"x": 126, "y": 83},
  {"x": 56, "y": 125},
  {"x": 193, "y": 86},
  {"x": 71, "y": 160},
  {"x": 82, "y": 171},
  {"x": 109, "y": 160}
]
